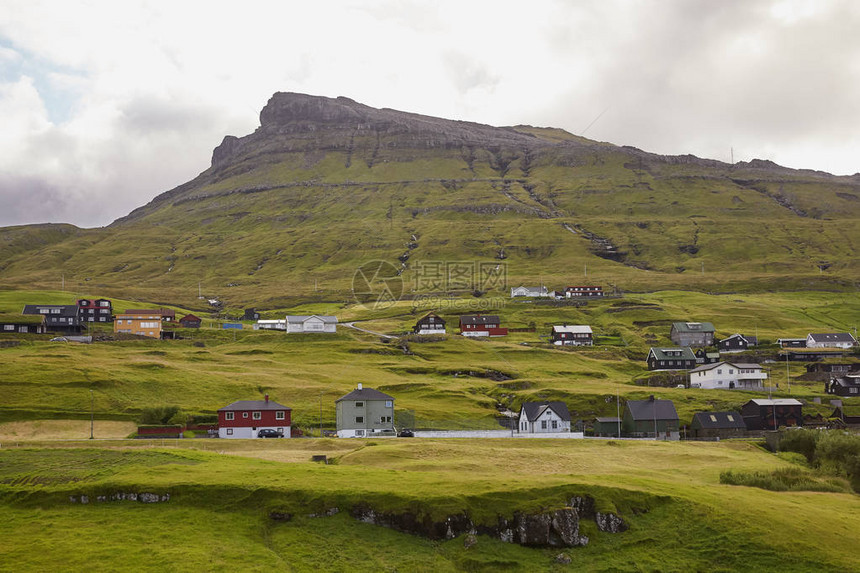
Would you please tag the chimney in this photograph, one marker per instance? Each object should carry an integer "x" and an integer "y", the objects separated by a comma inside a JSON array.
[
  {"x": 359, "y": 385},
  {"x": 267, "y": 398}
]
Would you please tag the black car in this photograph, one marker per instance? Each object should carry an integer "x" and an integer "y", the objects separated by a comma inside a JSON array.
[
  {"x": 269, "y": 433},
  {"x": 404, "y": 433}
]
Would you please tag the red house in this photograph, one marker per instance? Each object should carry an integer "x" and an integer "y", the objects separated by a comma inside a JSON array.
[
  {"x": 254, "y": 419},
  {"x": 190, "y": 321},
  {"x": 481, "y": 325}
]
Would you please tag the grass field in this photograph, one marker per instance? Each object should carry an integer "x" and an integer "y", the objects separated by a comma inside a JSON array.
[{"x": 680, "y": 517}]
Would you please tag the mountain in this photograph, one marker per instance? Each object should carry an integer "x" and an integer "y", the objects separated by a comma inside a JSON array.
[{"x": 289, "y": 212}]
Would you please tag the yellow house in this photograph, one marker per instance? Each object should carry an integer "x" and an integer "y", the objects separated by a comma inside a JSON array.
[{"x": 140, "y": 322}]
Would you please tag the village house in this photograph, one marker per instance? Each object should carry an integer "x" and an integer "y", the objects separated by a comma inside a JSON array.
[
  {"x": 97, "y": 310},
  {"x": 431, "y": 323},
  {"x": 705, "y": 357},
  {"x": 251, "y": 314},
  {"x": 830, "y": 340},
  {"x": 543, "y": 417},
  {"x": 481, "y": 325},
  {"x": 791, "y": 342},
  {"x": 141, "y": 322},
  {"x": 166, "y": 315},
  {"x": 533, "y": 292},
  {"x": 737, "y": 343},
  {"x": 651, "y": 418},
  {"x": 575, "y": 335},
  {"x": 61, "y": 318},
  {"x": 720, "y": 425},
  {"x": 846, "y": 385},
  {"x": 246, "y": 419},
  {"x": 312, "y": 323},
  {"x": 274, "y": 324},
  {"x": 728, "y": 376},
  {"x": 22, "y": 324},
  {"x": 607, "y": 426},
  {"x": 583, "y": 291},
  {"x": 761, "y": 414},
  {"x": 365, "y": 413},
  {"x": 671, "y": 359},
  {"x": 190, "y": 321},
  {"x": 833, "y": 368},
  {"x": 692, "y": 333}
]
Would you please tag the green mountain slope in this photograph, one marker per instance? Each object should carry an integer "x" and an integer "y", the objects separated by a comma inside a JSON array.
[{"x": 323, "y": 185}]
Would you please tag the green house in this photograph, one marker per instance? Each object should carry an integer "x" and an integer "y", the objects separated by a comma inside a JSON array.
[
  {"x": 650, "y": 418},
  {"x": 364, "y": 413}
]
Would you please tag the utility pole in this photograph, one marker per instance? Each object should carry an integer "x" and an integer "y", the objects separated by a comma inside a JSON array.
[
  {"x": 618, "y": 411},
  {"x": 321, "y": 433},
  {"x": 787, "y": 372},
  {"x": 92, "y": 413}
]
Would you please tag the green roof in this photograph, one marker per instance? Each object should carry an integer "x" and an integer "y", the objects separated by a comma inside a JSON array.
[
  {"x": 21, "y": 318},
  {"x": 693, "y": 326}
]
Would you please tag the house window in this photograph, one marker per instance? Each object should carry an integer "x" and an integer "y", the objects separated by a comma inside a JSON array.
[
  {"x": 554, "y": 425},
  {"x": 258, "y": 415},
  {"x": 543, "y": 425},
  {"x": 852, "y": 390},
  {"x": 714, "y": 418},
  {"x": 280, "y": 415},
  {"x": 388, "y": 403},
  {"x": 719, "y": 370},
  {"x": 8, "y": 327},
  {"x": 229, "y": 431},
  {"x": 729, "y": 416},
  {"x": 244, "y": 414},
  {"x": 359, "y": 404},
  {"x": 359, "y": 433},
  {"x": 229, "y": 415},
  {"x": 359, "y": 419}
]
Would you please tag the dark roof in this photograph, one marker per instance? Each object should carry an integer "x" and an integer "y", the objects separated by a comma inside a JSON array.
[
  {"x": 431, "y": 314},
  {"x": 846, "y": 381},
  {"x": 254, "y": 405},
  {"x": 608, "y": 420},
  {"x": 660, "y": 353},
  {"x": 752, "y": 340},
  {"x": 479, "y": 319},
  {"x": 738, "y": 365},
  {"x": 647, "y": 409},
  {"x": 189, "y": 317},
  {"x": 832, "y": 337},
  {"x": 533, "y": 410},
  {"x": 366, "y": 395},
  {"x": 65, "y": 309},
  {"x": 719, "y": 420}
]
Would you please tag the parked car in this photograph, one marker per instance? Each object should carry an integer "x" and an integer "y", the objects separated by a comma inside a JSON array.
[
  {"x": 404, "y": 433},
  {"x": 269, "y": 433}
]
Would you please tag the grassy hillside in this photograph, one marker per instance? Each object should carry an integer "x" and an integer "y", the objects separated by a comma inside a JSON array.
[
  {"x": 290, "y": 212},
  {"x": 680, "y": 518},
  {"x": 451, "y": 383}
]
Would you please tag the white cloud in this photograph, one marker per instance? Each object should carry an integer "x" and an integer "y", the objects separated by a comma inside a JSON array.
[{"x": 115, "y": 102}]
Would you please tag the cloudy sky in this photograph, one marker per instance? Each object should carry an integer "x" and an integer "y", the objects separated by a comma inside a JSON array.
[{"x": 105, "y": 104}]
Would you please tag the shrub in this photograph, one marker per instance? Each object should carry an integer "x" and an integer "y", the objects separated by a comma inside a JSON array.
[
  {"x": 158, "y": 415},
  {"x": 800, "y": 441}
]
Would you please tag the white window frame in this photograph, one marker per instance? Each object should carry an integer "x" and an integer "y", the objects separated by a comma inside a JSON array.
[
  {"x": 257, "y": 415},
  {"x": 280, "y": 415},
  {"x": 229, "y": 415}
]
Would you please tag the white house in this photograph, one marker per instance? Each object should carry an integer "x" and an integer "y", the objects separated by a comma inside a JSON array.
[
  {"x": 572, "y": 335},
  {"x": 312, "y": 323},
  {"x": 270, "y": 325},
  {"x": 728, "y": 376},
  {"x": 535, "y": 292},
  {"x": 544, "y": 417},
  {"x": 830, "y": 340}
]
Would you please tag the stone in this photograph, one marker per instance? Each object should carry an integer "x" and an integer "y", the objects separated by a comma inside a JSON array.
[
  {"x": 610, "y": 523},
  {"x": 563, "y": 558},
  {"x": 470, "y": 541}
]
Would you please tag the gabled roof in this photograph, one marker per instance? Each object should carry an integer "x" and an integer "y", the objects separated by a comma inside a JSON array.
[
  {"x": 649, "y": 409},
  {"x": 21, "y": 319},
  {"x": 850, "y": 381},
  {"x": 573, "y": 329},
  {"x": 300, "y": 318},
  {"x": 608, "y": 419},
  {"x": 737, "y": 365},
  {"x": 254, "y": 405},
  {"x": 366, "y": 395},
  {"x": 479, "y": 319},
  {"x": 531, "y": 291},
  {"x": 533, "y": 410},
  {"x": 736, "y": 335},
  {"x": 841, "y": 337},
  {"x": 431, "y": 314},
  {"x": 65, "y": 309},
  {"x": 776, "y": 402},
  {"x": 660, "y": 353},
  {"x": 693, "y": 326},
  {"x": 719, "y": 420},
  {"x": 189, "y": 317}
]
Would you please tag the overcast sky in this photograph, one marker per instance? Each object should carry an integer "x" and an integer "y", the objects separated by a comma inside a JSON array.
[{"x": 105, "y": 104}]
